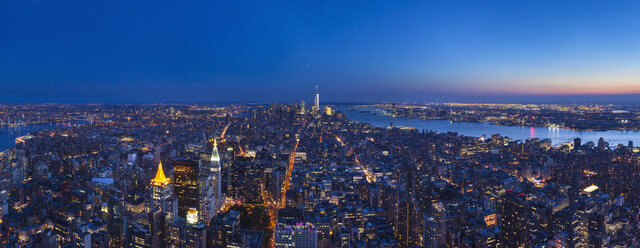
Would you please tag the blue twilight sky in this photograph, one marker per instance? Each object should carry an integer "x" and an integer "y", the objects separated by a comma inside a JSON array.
[{"x": 238, "y": 51}]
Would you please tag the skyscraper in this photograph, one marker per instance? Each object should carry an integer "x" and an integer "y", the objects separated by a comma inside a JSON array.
[
  {"x": 116, "y": 219},
  {"x": 301, "y": 234},
  {"x": 161, "y": 193},
  {"x": 302, "y": 108},
  {"x": 514, "y": 220},
  {"x": 209, "y": 184},
  {"x": 186, "y": 185},
  {"x": 216, "y": 170},
  {"x": 162, "y": 208},
  {"x": 316, "y": 103}
]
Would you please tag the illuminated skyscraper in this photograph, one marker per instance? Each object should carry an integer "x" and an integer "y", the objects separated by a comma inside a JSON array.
[
  {"x": 209, "y": 185},
  {"x": 116, "y": 219},
  {"x": 301, "y": 234},
  {"x": 162, "y": 208},
  {"x": 434, "y": 226},
  {"x": 186, "y": 185},
  {"x": 216, "y": 170},
  {"x": 302, "y": 108},
  {"x": 317, "y": 100},
  {"x": 514, "y": 220},
  {"x": 161, "y": 194},
  {"x": 327, "y": 110}
]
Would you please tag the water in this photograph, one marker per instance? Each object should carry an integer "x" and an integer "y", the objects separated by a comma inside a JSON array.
[
  {"x": 477, "y": 129},
  {"x": 9, "y": 134}
]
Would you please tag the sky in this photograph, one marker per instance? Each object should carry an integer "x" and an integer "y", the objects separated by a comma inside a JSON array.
[{"x": 118, "y": 51}]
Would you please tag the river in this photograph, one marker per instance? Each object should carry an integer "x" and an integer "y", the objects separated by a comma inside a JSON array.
[
  {"x": 477, "y": 129},
  {"x": 8, "y": 134}
]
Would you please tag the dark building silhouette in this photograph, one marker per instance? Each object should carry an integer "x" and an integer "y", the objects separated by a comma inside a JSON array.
[
  {"x": 186, "y": 185},
  {"x": 515, "y": 220}
]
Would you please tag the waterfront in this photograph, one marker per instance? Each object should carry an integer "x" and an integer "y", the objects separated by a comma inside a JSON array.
[
  {"x": 558, "y": 136},
  {"x": 8, "y": 134}
]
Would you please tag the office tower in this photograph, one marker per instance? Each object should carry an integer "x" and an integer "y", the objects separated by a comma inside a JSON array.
[
  {"x": 439, "y": 213},
  {"x": 140, "y": 236},
  {"x": 602, "y": 144},
  {"x": 539, "y": 220},
  {"x": 162, "y": 210},
  {"x": 316, "y": 103},
  {"x": 161, "y": 194},
  {"x": 186, "y": 185},
  {"x": 409, "y": 232},
  {"x": 4, "y": 203},
  {"x": 62, "y": 229},
  {"x": 216, "y": 175},
  {"x": 158, "y": 226},
  {"x": 248, "y": 239},
  {"x": 192, "y": 235},
  {"x": 514, "y": 220},
  {"x": 590, "y": 228},
  {"x": 431, "y": 235},
  {"x": 327, "y": 110},
  {"x": 132, "y": 157},
  {"x": 595, "y": 230},
  {"x": 303, "y": 235},
  {"x": 577, "y": 142},
  {"x": 222, "y": 229},
  {"x": 81, "y": 237},
  {"x": 206, "y": 201},
  {"x": 302, "y": 108},
  {"x": 116, "y": 220},
  {"x": 209, "y": 185}
]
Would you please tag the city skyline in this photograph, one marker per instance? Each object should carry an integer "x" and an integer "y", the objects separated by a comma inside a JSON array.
[
  {"x": 119, "y": 52},
  {"x": 319, "y": 124}
]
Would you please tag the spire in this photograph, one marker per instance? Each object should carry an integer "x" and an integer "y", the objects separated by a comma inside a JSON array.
[
  {"x": 215, "y": 157},
  {"x": 317, "y": 100},
  {"x": 160, "y": 179}
]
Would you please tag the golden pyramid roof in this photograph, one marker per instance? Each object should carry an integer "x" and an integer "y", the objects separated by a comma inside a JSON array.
[{"x": 160, "y": 178}]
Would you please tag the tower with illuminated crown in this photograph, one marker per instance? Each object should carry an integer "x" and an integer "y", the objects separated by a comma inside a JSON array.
[
  {"x": 162, "y": 209},
  {"x": 161, "y": 194},
  {"x": 216, "y": 168},
  {"x": 209, "y": 185}
]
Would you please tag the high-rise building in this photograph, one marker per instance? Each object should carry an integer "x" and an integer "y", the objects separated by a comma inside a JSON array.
[
  {"x": 162, "y": 209},
  {"x": 577, "y": 142},
  {"x": 222, "y": 229},
  {"x": 302, "y": 108},
  {"x": 189, "y": 234},
  {"x": 303, "y": 235},
  {"x": 158, "y": 226},
  {"x": 602, "y": 144},
  {"x": 140, "y": 236},
  {"x": 81, "y": 237},
  {"x": 316, "y": 102},
  {"x": 409, "y": 231},
  {"x": 431, "y": 234},
  {"x": 209, "y": 185},
  {"x": 186, "y": 185},
  {"x": 116, "y": 219},
  {"x": 514, "y": 220},
  {"x": 216, "y": 175},
  {"x": 4, "y": 203},
  {"x": 327, "y": 110},
  {"x": 161, "y": 194}
]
